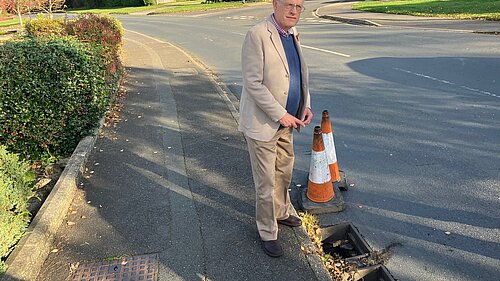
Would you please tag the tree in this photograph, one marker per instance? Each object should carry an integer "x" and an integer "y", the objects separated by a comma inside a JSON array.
[
  {"x": 49, "y": 6},
  {"x": 18, "y": 7}
]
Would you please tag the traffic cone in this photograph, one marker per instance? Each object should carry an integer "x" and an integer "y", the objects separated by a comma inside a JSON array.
[
  {"x": 319, "y": 186},
  {"x": 339, "y": 178},
  {"x": 326, "y": 128}
]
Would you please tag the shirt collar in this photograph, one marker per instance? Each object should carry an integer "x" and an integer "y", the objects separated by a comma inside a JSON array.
[{"x": 283, "y": 32}]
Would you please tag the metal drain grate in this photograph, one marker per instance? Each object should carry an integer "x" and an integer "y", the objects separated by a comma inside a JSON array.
[{"x": 143, "y": 268}]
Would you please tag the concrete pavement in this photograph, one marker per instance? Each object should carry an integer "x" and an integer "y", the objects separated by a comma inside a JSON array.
[{"x": 169, "y": 181}]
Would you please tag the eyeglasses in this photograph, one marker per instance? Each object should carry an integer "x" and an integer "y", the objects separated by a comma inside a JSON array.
[{"x": 290, "y": 7}]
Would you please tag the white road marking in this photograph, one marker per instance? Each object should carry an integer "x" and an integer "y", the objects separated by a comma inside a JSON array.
[
  {"x": 152, "y": 38},
  {"x": 326, "y": 51},
  {"x": 448, "y": 82}
]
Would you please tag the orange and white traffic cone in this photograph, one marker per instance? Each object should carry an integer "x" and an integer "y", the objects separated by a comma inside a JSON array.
[
  {"x": 319, "y": 186},
  {"x": 326, "y": 128}
]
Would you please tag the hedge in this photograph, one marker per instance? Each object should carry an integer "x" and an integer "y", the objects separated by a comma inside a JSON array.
[
  {"x": 43, "y": 26},
  {"x": 52, "y": 93},
  {"x": 105, "y": 31},
  {"x": 16, "y": 183},
  {"x": 101, "y": 30},
  {"x": 103, "y": 3}
]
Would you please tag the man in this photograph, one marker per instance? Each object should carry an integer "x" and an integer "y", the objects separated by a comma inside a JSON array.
[{"x": 275, "y": 99}]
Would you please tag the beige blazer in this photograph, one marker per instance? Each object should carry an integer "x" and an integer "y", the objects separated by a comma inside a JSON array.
[{"x": 266, "y": 81}]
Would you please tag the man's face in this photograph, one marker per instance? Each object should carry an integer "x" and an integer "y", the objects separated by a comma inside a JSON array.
[{"x": 287, "y": 12}]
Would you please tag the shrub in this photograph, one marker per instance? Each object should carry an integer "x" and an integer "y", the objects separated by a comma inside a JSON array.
[
  {"x": 132, "y": 3},
  {"x": 103, "y": 3},
  {"x": 16, "y": 183},
  {"x": 52, "y": 93},
  {"x": 104, "y": 31},
  {"x": 95, "y": 29},
  {"x": 112, "y": 3},
  {"x": 150, "y": 2},
  {"x": 43, "y": 26},
  {"x": 99, "y": 30}
]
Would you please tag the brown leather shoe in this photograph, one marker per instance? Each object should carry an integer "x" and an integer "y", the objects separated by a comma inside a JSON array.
[
  {"x": 292, "y": 221},
  {"x": 272, "y": 248}
]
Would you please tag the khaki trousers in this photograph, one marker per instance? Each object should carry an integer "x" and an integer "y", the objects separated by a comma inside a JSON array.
[{"x": 272, "y": 165}]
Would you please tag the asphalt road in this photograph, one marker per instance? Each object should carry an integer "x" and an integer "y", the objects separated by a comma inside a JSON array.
[{"x": 416, "y": 115}]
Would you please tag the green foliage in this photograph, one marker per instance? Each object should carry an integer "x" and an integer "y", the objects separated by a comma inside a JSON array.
[
  {"x": 56, "y": 84},
  {"x": 52, "y": 93},
  {"x": 150, "y": 2},
  {"x": 111, "y": 3},
  {"x": 132, "y": 3},
  {"x": 103, "y": 31},
  {"x": 103, "y": 3},
  {"x": 16, "y": 183},
  {"x": 122, "y": 3},
  {"x": 43, "y": 26}
]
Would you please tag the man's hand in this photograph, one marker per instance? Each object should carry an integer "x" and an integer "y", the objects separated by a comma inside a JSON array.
[
  {"x": 289, "y": 121},
  {"x": 308, "y": 116}
]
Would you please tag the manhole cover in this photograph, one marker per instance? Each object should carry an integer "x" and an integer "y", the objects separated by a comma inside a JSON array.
[
  {"x": 134, "y": 268},
  {"x": 185, "y": 72}
]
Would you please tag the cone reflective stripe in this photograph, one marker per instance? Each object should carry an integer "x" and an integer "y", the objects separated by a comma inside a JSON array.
[
  {"x": 326, "y": 128},
  {"x": 319, "y": 186}
]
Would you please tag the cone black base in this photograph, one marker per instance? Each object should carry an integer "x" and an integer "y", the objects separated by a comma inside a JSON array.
[
  {"x": 333, "y": 206},
  {"x": 342, "y": 184}
]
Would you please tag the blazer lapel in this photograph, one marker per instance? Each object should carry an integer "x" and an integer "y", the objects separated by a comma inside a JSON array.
[
  {"x": 299, "y": 49},
  {"x": 276, "y": 40},
  {"x": 303, "y": 71}
]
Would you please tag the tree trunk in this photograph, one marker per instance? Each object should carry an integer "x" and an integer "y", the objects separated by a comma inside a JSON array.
[
  {"x": 50, "y": 9},
  {"x": 19, "y": 15}
]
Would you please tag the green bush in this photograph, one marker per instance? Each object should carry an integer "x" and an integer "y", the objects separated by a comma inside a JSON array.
[
  {"x": 103, "y": 3},
  {"x": 150, "y": 2},
  {"x": 132, "y": 3},
  {"x": 43, "y": 26},
  {"x": 16, "y": 184},
  {"x": 112, "y": 3},
  {"x": 122, "y": 3},
  {"x": 99, "y": 30},
  {"x": 52, "y": 93},
  {"x": 102, "y": 29},
  {"x": 105, "y": 31}
]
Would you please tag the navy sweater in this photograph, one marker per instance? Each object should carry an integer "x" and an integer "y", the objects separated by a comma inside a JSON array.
[{"x": 294, "y": 93}]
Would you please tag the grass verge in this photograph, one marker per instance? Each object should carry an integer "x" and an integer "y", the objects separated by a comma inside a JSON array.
[
  {"x": 9, "y": 22},
  {"x": 459, "y": 9},
  {"x": 198, "y": 7},
  {"x": 126, "y": 10},
  {"x": 167, "y": 8}
]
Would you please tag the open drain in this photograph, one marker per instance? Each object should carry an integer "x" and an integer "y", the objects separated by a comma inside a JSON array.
[
  {"x": 133, "y": 268},
  {"x": 344, "y": 241}
]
